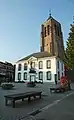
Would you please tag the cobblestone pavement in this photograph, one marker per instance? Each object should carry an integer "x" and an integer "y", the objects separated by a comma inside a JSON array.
[
  {"x": 60, "y": 110},
  {"x": 23, "y": 110}
]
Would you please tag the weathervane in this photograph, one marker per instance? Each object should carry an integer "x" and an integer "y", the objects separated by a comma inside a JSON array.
[{"x": 50, "y": 12}]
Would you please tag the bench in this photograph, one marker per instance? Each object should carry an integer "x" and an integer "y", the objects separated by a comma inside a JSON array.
[
  {"x": 57, "y": 89},
  {"x": 15, "y": 97}
]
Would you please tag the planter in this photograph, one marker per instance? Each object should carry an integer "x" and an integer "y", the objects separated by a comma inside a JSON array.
[
  {"x": 7, "y": 86},
  {"x": 65, "y": 83},
  {"x": 31, "y": 84}
]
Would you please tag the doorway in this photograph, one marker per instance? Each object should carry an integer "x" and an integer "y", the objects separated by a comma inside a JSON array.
[{"x": 32, "y": 78}]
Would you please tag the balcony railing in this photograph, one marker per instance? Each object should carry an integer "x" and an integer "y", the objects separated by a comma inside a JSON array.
[{"x": 32, "y": 70}]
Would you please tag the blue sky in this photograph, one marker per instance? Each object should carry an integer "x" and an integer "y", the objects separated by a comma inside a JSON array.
[{"x": 20, "y": 22}]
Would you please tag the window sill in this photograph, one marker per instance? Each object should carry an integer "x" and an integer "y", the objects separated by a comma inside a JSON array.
[
  {"x": 48, "y": 67},
  {"x": 48, "y": 79}
]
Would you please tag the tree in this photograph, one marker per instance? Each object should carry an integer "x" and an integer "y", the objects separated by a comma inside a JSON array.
[{"x": 69, "y": 52}]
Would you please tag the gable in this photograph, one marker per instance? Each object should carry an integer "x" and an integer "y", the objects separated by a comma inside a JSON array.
[{"x": 32, "y": 59}]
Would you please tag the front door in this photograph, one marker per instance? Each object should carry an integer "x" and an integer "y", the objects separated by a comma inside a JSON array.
[{"x": 32, "y": 78}]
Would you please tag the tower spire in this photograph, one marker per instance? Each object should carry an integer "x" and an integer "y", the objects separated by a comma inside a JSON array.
[{"x": 49, "y": 12}]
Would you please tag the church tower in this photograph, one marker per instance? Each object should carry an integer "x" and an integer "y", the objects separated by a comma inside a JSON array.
[{"x": 51, "y": 39}]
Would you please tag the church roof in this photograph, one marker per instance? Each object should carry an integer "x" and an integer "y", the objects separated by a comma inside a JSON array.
[
  {"x": 51, "y": 18},
  {"x": 37, "y": 55}
]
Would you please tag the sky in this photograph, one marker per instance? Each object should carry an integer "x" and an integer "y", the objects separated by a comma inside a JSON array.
[{"x": 20, "y": 22}]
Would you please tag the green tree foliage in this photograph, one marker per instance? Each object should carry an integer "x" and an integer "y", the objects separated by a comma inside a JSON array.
[{"x": 69, "y": 52}]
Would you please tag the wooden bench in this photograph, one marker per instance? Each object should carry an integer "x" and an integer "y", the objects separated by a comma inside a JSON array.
[
  {"x": 19, "y": 96},
  {"x": 57, "y": 89}
]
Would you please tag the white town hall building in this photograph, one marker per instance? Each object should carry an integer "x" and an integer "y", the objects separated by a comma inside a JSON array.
[{"x": 40, "y": 67}]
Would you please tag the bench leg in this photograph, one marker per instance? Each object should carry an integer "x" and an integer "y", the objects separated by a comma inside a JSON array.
[
  {"x": 62, "y": 90},
  {"x": 40, "y": 96},
  {"x": 34, "y": 97},
  {"x": 29, "y": 99},
  {"x": 6, "y": 100},
  {"x": 50, "y": 91},
  {"x": 55, "y": 91},
  {"x": 13, "y": 103},
  {"x": 22, "y": 99}
]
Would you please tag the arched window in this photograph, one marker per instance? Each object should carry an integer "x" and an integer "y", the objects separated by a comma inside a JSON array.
[
  {"x": 40, "y": 64},
  {"x": 48, "y": 29},
  {"x": 25, "y": 66},
  {"x": 25, "y": 75},
  {"x": 49, "y": 75},
  {"x": 48, "y": 64},
  {"x": 19, "y": 76},
  {"x": 45, "y": 32},
  {"x": 19, "y": 67},
  {"x": 40, "y": 75},
  {"x": 32, "y": 64}
]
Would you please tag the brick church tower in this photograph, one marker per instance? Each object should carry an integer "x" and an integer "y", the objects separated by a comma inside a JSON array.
[{"x": 51, "y": 39}]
